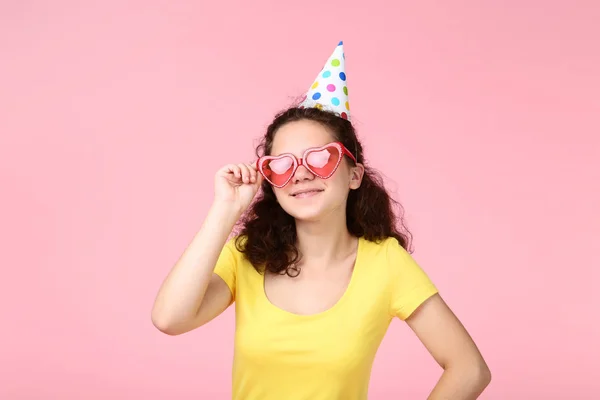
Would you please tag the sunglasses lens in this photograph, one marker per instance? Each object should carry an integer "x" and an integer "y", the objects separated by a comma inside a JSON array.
[
  {"x": 277, "y": 171},
  {"x": 323, "y": 162}
]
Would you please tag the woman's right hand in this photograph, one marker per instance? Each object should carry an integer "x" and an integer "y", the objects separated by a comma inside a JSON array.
[{"x": 236, "y": 185}]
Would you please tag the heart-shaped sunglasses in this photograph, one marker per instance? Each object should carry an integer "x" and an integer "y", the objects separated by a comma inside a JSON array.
[{"x": 321, "y": 161}]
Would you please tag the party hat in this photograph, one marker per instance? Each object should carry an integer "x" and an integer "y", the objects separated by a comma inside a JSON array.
[{"x": 329, "y": 91}]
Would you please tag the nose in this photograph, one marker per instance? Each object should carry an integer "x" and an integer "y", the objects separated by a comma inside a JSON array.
[{"x": 302, "y": 174}]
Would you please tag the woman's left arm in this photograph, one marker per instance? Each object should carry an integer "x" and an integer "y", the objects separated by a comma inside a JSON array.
[{"x": 466, "y": 374}]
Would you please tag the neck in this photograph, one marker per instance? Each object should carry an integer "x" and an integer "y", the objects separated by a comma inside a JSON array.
[{"x": 324, "y": 241}]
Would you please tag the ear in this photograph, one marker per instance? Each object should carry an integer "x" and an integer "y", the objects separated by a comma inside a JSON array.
[{"x": 356, "y": 175}]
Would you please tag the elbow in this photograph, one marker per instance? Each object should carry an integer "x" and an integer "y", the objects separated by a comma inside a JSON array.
[
  {"x": 169, "y": 325},
  {"x": 484, "y": 375},
  {"x": 164, "y": 324},
  {"x": 164, "y": 328},
  {"x": 475, "y": 375},
  {"x": 480, "y": 375},
  {"x": 487, "y": 376}
]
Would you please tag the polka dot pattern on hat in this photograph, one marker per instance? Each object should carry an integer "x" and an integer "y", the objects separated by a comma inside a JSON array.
[{"x": 329, "y": 91}]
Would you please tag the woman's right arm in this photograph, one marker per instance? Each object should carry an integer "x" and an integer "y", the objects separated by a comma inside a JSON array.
[{"x": 192, "y": 294}]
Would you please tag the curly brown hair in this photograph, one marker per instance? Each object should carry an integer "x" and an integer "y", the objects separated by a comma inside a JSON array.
[{"x": 267, "y": 234}]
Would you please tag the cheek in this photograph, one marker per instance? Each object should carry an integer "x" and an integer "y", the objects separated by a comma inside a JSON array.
[
  {"x": 280, "y": 194},
  {"x": 341, "y": 178},
  {"x": 338, "y": 185}
]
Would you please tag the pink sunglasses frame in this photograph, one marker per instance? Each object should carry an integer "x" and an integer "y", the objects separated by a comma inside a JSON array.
[{"x": 302, "y": 161}]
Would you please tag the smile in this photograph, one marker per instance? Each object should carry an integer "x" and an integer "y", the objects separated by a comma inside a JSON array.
[{"x": 307, "y": 193}]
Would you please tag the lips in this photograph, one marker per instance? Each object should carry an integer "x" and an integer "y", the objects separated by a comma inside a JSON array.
[{"x": 306, "y": 192}]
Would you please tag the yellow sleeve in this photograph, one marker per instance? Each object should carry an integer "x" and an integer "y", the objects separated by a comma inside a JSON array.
[
  {"x": 226, "y": 266},
  {"x": 409, "y": 284}
]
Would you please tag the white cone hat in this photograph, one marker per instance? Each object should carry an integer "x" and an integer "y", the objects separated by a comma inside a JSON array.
[{"x": 329, "y": 90}]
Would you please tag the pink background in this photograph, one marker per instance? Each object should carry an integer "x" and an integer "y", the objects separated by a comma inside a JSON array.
[{"x": 484, "y": 117}]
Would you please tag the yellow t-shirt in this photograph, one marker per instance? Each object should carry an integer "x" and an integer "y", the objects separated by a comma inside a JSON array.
[{"x": 279, "y": 355}]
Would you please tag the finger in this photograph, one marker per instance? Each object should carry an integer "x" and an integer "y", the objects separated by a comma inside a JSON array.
[
  {"x": 245, "y": 170},
  {"x": 253, "y": 172},
  {"x": 258, "y": 178},
  {"x": 232, "y": 169},
  {"x": 252, "y": 165}
]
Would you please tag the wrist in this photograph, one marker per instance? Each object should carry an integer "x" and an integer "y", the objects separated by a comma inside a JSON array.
[{"x": 226, "y": 212}]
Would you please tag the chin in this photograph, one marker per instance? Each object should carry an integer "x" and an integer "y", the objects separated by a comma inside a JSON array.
[
  {"x": 306, "y": 215},
  {"x": 309, "y": 212},
  {"x": 312, "y": 211},
  {"x": 307, "y": 209}
]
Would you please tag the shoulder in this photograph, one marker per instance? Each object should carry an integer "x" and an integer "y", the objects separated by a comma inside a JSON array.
[
  {"x": 388, "y": 254},
  {"x": 236, "y": 244},
  {"x": 235, "y": 248},
  {"x": 408, "y": 285},
  {"x": 381, "y": 255},
  {"x": 386, "y": 249}
]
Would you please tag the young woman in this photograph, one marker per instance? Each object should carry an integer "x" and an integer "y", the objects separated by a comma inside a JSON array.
[{"x": 317, "y": 272}]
